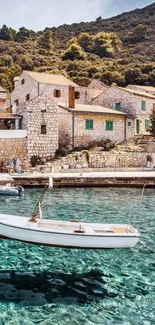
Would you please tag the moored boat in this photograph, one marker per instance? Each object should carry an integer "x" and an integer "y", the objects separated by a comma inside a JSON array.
[
  {"x": 11, "y": 190},
  {"x": 69, "y": 234}
]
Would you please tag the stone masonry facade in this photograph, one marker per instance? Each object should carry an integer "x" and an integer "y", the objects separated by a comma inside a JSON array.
[
  {"x": 13, "y": 148},
  {"x": 40, "y": 119},
  {"x": 130, "y": 103},
  {"x": 98, "y": 160},
  {"x": 38, "y": 104},
  {"x": 33, "y": 89},
  {"x": 74, "y": 122}
]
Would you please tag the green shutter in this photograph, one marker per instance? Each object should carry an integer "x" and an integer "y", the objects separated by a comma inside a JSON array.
[
  {"x": 109, "y": 125},
  {"x": 129, "y": 123},
  {"x": 117, "y": 106},
  {"x": 89, "y": 124},
  {"x": 143, "y": 105},
  {"x": 147, "y": 124}
]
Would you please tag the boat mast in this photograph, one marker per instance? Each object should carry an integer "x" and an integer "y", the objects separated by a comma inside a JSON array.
[{"x": 37, "y": 207}]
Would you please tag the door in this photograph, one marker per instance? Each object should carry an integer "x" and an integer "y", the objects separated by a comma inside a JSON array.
[{"x": 137, "y": 126}]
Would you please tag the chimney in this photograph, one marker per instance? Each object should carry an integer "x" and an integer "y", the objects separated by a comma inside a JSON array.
[
  {"x": 15, "y": 79},
  {"x": 71, "y": 98}
]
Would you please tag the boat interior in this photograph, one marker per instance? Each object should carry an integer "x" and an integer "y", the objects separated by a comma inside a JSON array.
[{"x": 82, "y": 228}]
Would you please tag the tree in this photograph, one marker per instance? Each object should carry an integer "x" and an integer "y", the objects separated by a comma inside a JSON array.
[
  {"x": 45, "y": 41},
  {"x": 152, "y": 122},
  {"x": 112, "y": 77},
  {"x": 133, "y": 76},
  {"x": 85, "y": 41},
  {"x": 106, "y": 44},
  {"x": 22, "y": 34},
  {"x": 74, "y": 52},
  {"x": 7, "y": 33},
  {"x": 137, "y": 35}
]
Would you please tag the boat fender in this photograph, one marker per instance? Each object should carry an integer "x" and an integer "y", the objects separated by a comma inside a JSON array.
[{"x": 50, "y": 182}]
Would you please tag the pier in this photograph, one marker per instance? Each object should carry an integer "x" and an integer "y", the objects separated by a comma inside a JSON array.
[{"x": 83, "y": 179}]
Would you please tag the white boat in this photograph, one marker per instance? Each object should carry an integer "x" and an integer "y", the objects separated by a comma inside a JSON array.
[
  {"x": 11, "y": 190},
  {"x": 69, "y": 234}
]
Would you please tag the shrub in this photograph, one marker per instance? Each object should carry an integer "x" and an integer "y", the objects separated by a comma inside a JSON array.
[{"x": 34, "y": 160}]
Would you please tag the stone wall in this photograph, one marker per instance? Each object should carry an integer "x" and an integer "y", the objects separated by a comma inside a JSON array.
[
  {"x": 145, "y": 89},
  {"x": 96, "y": 84},
  {"x": 49, "y": 91},
  {"x": 34, "y": 88},
  {"x": 130, "y": 104},
  {"x": 84, "y": 137},
  {"x": 99, "y": 132},
  {"x": 65, "y": 127},
  {"x": 39, "y": 112},
  {"x": 12, "y": 149},
  {"x": 93, "y": 159},
  {"x": 4, "y": 102},
  {"x": 20, "y": 91}
]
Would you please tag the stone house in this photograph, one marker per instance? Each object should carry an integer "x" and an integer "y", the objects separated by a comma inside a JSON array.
[
  {"x": 40, "y": 122},
  {"x": 80, "y": 124},
  {"x": 4, "y": 99},
  {"x": 94, "y": 89},
  {"x": 137, "y": 104},
  {"x": 12, "y": 138},
  {"x": 146, "y": 89},
  {"x": 30, "y": 129},
  {"x": 32, "y": 84}
]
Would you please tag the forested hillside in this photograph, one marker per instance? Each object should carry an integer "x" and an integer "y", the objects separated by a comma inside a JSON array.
[{"x": 117, "y": 50}]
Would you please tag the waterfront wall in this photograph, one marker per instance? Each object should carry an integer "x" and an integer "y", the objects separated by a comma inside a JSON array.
[
  {"x": 98, "y": 160},
  {"x": 12, "y": 148}
]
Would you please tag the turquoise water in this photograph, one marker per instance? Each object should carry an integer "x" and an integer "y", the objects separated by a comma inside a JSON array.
[{"x": 49, "y": 286}]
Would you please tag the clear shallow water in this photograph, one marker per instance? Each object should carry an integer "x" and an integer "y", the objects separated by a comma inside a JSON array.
[{"x": 42, "y": 285}]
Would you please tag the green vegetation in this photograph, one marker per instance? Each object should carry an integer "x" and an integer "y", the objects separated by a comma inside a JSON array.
[{"x": 116, "y": 50}]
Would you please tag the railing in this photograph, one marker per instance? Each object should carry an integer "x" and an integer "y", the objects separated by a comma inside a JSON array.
[{"x": 8, "y": 134}]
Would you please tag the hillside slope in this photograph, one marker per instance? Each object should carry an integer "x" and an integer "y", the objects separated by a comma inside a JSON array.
[{"x": 119, "y": 50}]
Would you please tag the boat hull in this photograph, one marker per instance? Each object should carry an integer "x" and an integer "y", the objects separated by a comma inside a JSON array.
[
  {"x": 12, "y": 190},
  {"x": 69, "y": 240}
]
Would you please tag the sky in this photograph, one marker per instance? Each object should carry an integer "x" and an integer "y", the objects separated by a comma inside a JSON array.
[{"x": 39, "y": 14}]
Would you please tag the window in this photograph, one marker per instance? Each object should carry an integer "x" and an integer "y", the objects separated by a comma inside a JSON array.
[
  {"x": 22, "y": 81},
  {"x": 109, "y": 125},
  {"x": 147, "y": 122},
  {"x": 43, "y": 129},
  {"x": 129, "y": 123},
  {"x": 57, "y": 93},
  {"x": 16, "y": 102},
  {"x": 89, "y": 124},
  {"x": 117, "y": 106},
  {"x": 77, "y": 94},
  {"x": 143, "y": 105},
  {"x": 27, "y": 97}
]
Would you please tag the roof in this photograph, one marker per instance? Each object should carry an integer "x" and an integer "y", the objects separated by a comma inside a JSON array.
[
  {"x": 2, "y": 90},
  {"x": 95, "y": 92},
  {"x": 51, "y": 79},
  {"x": 146, "y": 88},
  {"x": 5, "y": 115},
  {"x": 81, "y": 108},
  {"x": 138, "y": 92}
]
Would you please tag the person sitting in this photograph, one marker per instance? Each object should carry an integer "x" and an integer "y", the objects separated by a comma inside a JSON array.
[{"x": 10, "y": 166}]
